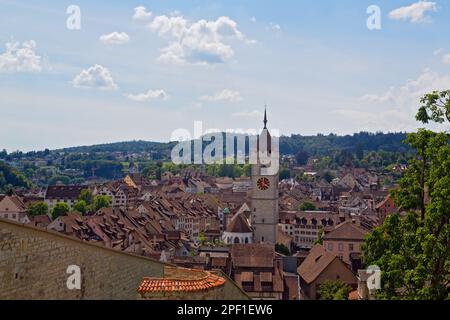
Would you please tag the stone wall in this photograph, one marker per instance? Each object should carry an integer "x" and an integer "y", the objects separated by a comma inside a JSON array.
[{"x": 34, "y": 262}]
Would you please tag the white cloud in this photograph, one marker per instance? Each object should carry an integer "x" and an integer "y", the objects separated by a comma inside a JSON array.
[
  {"x": 395, "y": 109},
  {"x": 141, "y": 13},
  {"x": 438, "y": 52},
  {"x": 96, "y": 76},
  {"x": 415, "y": 13},
  {"x": 274, "y": 26},
  {"x": 248, "y": 114},
  {"x": 253, "y": 19},
  {"x": 149, "y": 96},
  {"x": 199, "y": 42},
  {"x": 20, "y": 58},
  {"x": 115, "y": 38},
  {"x": 224, "y": 95},
  {"x": 410, "y": 93},
  {"x": 446, "y": 59}
]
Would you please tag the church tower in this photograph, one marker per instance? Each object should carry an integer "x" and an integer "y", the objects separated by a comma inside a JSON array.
[{"x": 265, "y": 211}]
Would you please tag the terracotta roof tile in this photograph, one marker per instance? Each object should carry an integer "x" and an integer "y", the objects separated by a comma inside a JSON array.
[
  {"x": 252, "y": 255},
  {"x": 354, "y": 295},
  {"x": 346, "y": 231},
  {"x": 188, "y": 280},
  {"x": 315, "y": 263}
]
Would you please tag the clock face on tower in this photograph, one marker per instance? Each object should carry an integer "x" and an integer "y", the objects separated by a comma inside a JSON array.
[{"x": 263, "y": 183}]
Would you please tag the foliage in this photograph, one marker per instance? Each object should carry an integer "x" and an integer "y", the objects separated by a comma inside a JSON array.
[
  {"x": 281, "y": 248},
  {"x": 60, "y": 209},
  {"x": 327, "y": 176},
  {"x": 81, "y": 206},
  {"x": 413, "y": 251},
  {"x": 201, "y": 238},
  {"x": 320, "y": 236},
  {"x": 86, "y": 196},
  {"x": 285, "y": 174},
  {"x": 301, "y": 157},
  {"x": 334, "y": 290},
  {"x": 435, "y": 107},
  {"x": 101, "y": 202},
  {"x": 37, "y": 209},
  {"x": 11, "y": 178},
  {"x": 307, "y": 206},
  {"x": 59, "y": 180}
]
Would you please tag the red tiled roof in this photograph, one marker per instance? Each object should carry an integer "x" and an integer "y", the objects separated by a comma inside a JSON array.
[
  {"x": 253, "y": 255},
  {"x": 187, "y": 280},
  {"x": 346, "y": 231},
  {"x": 239, "y": 225},
  {"x": 354, "y": 295},
  {"x": 63, "y": 192},
  {"x": 315, "y": 263}
]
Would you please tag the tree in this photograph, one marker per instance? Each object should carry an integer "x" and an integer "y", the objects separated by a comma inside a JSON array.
[
  {"x": 307, "y": 206},
  {"x": 435, "y": 107},
  {"x": 86, "y": 196},
  {"x": 302, "y": 157},
  {"x": 328, "y": 176},
  {"x": 60, "y": 209},
  {"x": 81, "y": 206},
  {"x": 320, "y": 236},
  {"x": 37, "y": 209},
  {"x": 413, "y": 251},
  {"x": 285, "y": 174},
  {"x": 101, "y": 202},
  {"x": 201, "y": 238},
  {"x": 344, "y": 158},
  {"x": 334, "y": 290},
  {"x": 412, "y": 192},
  {"x": 359, "y": 152},
  {"x": 281, "y": 248}
]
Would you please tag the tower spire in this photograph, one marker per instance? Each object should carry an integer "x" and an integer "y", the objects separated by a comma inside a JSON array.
[{"x": 265, "y": 117}]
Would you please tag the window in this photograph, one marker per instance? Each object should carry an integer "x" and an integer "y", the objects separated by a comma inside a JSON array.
[
  {"x": 350, "y": 247},
  {"x": 341, "y": 247},
  {"x": 330, "y": 247}
]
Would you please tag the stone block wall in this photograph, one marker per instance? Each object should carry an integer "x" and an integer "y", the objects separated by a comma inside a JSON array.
[{"x": 34, "y": 262}]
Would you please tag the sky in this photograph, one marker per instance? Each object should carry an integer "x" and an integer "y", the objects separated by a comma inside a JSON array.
[{"x": 108, "y": 71}]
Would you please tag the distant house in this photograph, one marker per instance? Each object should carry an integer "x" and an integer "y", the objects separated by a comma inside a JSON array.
[
  {"x": 284, "y": 239},
  {"x": 13, "y": 208},
  {"x": 320, "y": 266},
  {"x": 304, "y": 226},
  {"x": 238, "y": 231},
  {"x": 344, "y": 240},
  {"x": 122, "y": 194},
  {"x": 41, "y": 221},
  {"x": 385, "y": 208},
  {"x": 67, "y": 194},
  {"x": 66, "y": 224},
  {"x": 258, "y": 271}
]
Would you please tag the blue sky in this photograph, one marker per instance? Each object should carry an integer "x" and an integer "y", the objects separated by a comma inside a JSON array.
[{"x": 124, "y": 76}]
